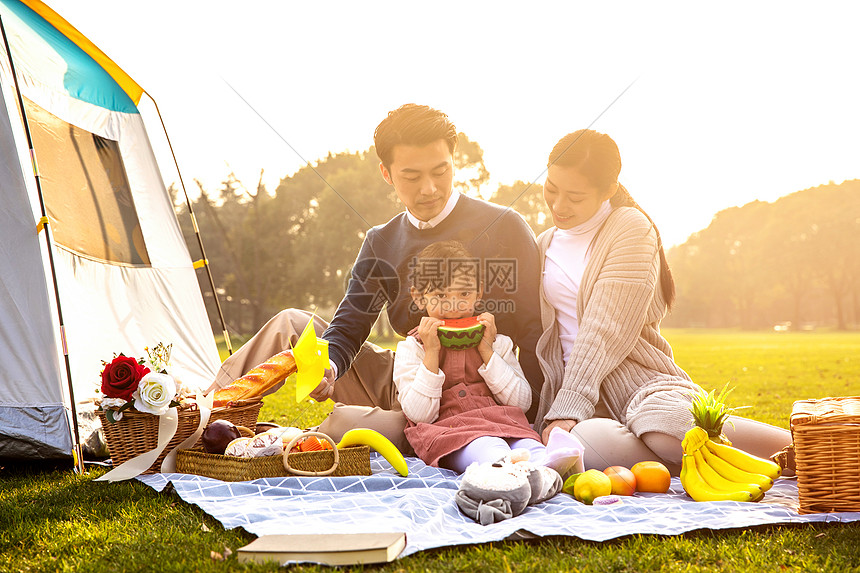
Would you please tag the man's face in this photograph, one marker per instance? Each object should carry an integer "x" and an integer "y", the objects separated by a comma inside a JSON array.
[{"x": 421, "y": 177}]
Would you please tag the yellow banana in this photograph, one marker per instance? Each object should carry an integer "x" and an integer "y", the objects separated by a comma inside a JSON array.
[
  {"x": 745, "y": 461},
  {"x": 699, "y": 490},
  {"x": 734, "y": 473},
  {"x": 372, "y": 438},
  {"x": 719, "y": 483},
  {"x": 694, "y": 439}
]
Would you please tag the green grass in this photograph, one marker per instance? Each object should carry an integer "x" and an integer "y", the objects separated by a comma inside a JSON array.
[{"x": 54, "y": 520}]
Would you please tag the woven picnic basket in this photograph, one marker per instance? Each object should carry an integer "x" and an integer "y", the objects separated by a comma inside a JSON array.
[
  {"x": 353, "y": 460},
  {"x": 137, "y": 432},
  {"x": 826, "y": 436}
]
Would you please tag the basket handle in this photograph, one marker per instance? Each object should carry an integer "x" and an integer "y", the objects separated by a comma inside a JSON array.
[{"x": 298, "y": 472}]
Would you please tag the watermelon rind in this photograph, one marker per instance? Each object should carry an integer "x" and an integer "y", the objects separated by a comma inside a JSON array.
[{"x": 461, "y": 337}]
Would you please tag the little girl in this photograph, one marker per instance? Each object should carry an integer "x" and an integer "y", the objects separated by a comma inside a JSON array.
[{"x": 466, "y": 406}]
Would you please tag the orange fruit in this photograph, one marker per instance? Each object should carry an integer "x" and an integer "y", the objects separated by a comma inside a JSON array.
[
  {"x": 311, "y": 444},
  {"x": 651, "y": 477},
  {"x": 623, "y": 480}
]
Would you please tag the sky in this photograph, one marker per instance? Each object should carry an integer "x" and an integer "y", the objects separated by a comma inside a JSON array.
[{"x": 711, "y": 106}]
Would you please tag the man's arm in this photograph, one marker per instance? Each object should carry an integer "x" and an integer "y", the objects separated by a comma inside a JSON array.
[
  {"x": 367, "y": 292},
  {"x": 526, "y": 312}
]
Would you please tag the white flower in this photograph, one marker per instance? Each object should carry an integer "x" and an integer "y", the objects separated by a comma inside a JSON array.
[
  {"x": 113, "y": 403},
  {"x": 155, "y": 393}
]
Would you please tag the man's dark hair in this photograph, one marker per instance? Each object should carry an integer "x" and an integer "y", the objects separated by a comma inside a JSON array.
[{"x": 412, "y": 124}]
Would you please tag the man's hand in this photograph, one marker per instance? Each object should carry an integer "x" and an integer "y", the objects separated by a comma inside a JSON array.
[
  {"x": 325, "y": 389},
  {"x": 566, "y": 425}
]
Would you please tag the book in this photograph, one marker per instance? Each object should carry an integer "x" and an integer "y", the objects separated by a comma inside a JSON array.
[{"x": 324, "y": 548}]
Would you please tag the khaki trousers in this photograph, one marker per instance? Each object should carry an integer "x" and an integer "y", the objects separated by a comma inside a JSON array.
[
  {"x": 365, "y": 395},
  {"x": 608, "y": 442}
]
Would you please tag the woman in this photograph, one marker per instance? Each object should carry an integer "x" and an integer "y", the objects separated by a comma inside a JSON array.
[{"x": 610, "y": 378}]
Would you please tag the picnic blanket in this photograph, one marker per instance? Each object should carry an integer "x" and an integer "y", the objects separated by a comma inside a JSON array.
[{"x": 422, "y": 505}]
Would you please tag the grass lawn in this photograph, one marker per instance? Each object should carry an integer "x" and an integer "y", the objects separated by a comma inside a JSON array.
[{"x": 54, "y": 520}]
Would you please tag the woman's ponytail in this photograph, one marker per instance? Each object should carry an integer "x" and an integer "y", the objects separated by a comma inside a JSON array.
[{"x": 622, "y": 198}]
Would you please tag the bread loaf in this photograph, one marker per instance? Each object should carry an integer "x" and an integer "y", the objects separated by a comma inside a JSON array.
[{"x": 260, "y": 379}]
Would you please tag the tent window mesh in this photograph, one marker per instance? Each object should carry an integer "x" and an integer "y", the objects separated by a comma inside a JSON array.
[{"x": 86, "y": 191}]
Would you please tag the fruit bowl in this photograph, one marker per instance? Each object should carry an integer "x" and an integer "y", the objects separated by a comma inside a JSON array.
[{"x": 460, "y": 333}]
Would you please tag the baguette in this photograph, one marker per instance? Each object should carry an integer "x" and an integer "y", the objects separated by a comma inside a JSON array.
[{"x": 259, "y": 380}]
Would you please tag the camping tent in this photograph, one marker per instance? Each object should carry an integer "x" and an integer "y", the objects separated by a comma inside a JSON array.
[{"x": 110, "y": 271}]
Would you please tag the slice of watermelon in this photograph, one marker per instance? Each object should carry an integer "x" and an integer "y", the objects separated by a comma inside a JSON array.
[{"x": 460, "y": 333}]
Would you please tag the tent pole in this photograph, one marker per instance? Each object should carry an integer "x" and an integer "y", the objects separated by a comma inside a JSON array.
[
  {"x": 203, "y": 261},
  {"x": 77, "y": 454}
]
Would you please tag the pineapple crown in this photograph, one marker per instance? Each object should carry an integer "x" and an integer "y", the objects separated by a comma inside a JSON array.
[{"x": 710, "y": 411}]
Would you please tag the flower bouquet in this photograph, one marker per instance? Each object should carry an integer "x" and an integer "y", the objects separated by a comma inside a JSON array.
[
  {"x": 142, "y": 384},
  {"x": 142, "y": 403}
]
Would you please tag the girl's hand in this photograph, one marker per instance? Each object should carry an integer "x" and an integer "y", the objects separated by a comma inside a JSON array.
[
  {"x": 566, "y": 425},
  {"x": 490, "y": 330},
  {"x": 485, "y": 347},
  {"x": 428, "y": 330}
]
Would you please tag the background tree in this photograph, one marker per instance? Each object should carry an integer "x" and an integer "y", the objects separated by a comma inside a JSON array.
[
  {"x": 470, "y": 171},
  {"x": 794, "y": 260},
  {"x": 527, "y": 199}
]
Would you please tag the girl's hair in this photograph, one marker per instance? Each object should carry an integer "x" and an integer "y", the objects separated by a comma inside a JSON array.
[
  {"x": 439, "y": 263},
  {"x": 595, "y": 155}
]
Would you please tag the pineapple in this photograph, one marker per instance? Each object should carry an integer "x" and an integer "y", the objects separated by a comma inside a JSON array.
[{"x": 710, "y": 413}]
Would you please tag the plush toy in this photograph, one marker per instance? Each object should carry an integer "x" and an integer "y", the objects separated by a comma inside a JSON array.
[{"x": 492, "y": 492}]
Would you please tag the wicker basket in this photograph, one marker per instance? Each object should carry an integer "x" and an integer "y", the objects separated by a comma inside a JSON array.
[
  {"x": 137, "y": 432},
  {"x": 826, "y": 437},
  {"x": 354, "y": 460}
]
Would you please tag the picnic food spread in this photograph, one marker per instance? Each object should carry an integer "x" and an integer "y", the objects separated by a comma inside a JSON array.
[
  {"x": 646, "y": 476},
  {"x": 460, "y": 333}
]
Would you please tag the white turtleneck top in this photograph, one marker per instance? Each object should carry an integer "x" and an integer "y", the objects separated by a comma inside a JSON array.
[{"x": 566, "y": 257}]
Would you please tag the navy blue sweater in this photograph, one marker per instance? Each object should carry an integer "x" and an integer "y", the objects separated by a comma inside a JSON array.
[{"x": 510, "y": 272}]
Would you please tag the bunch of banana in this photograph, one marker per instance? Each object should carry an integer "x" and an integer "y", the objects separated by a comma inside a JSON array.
[{"x": 717, "y": 472}]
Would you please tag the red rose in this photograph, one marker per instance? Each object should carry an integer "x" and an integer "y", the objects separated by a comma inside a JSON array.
[{"x": 121, "y": 377}]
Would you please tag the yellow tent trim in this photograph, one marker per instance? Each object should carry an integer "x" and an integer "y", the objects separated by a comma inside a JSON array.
[{"x": 128, "y": 85}]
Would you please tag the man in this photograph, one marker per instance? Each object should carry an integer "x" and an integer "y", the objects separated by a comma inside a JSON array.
[{"x": 415, "y": 145}]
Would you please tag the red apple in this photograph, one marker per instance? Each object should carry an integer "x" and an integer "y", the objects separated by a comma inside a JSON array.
[{"x": 623, "y": 480}]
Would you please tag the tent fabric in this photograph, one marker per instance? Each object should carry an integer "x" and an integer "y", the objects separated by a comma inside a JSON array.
[
  {"x": 85, "y": 123},
  {"x": 422, "y": 505},
  {"x": 55, "y": 60}
]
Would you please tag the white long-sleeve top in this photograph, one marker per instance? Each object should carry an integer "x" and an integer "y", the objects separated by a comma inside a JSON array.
[
  {"x": 420, "y": 391},
  {"x": 565, "y": 261}
]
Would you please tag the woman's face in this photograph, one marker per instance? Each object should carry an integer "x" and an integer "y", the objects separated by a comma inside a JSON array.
[{"x": 570, "y": 197}]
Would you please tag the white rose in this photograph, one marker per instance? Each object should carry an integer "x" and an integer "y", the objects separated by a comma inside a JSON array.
[{"x": 154, "y": 393}]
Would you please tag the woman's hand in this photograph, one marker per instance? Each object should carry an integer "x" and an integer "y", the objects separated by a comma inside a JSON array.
[
  {"x": 485, "y": 347},
  {"x": 566, "y": 425}
]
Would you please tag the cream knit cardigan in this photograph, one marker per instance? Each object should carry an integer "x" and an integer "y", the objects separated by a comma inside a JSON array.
[{"x": 619, "y": 356}]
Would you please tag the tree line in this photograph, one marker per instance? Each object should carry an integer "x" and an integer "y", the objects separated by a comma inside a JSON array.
[
  {"x": 764, "y": 263},
  {"x": 793, "y": 263}
]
